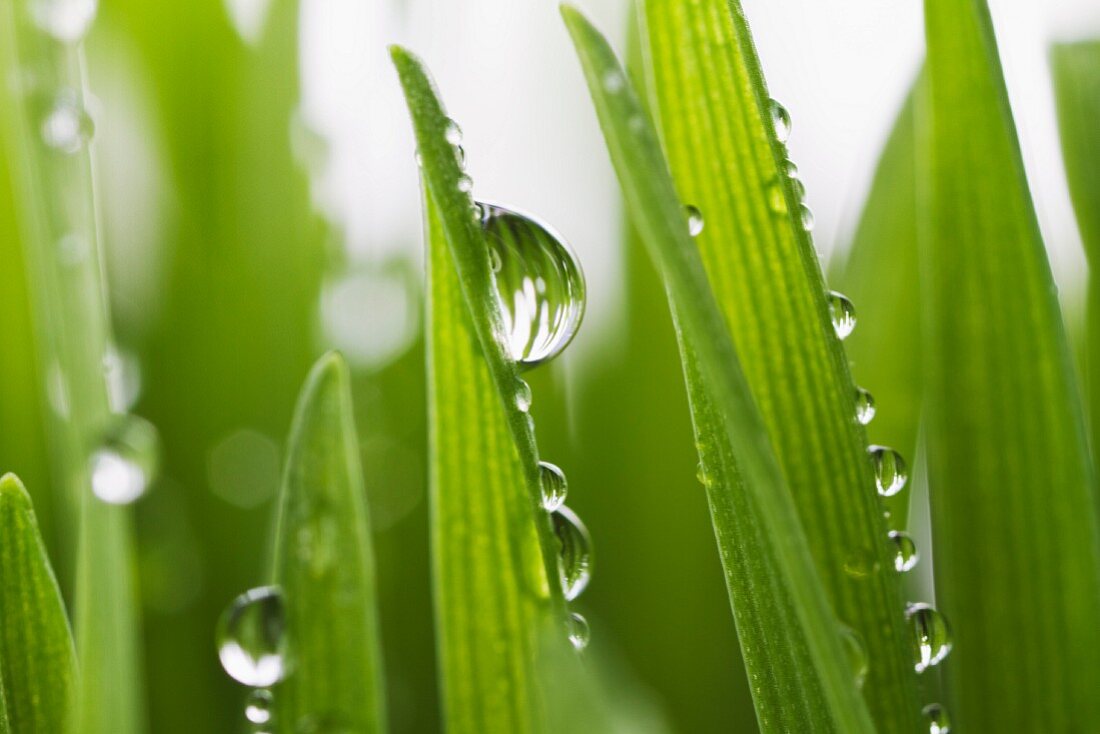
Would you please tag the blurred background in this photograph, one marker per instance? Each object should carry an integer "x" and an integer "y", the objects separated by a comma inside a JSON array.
[{"x": 261, "y": 205}]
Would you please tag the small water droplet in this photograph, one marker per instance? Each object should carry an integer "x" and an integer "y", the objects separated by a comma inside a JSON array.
[
  {"x": 66, "y": 20},
  {"x": 891, "y": 471},
  {"x": 538, "y": 322},
  {"x": 856, "y": 652},
  {"x": 905, "y": 551},
  {"x": 579, "y": 632},
  {"x": 931, "y": 636},
  {"x": 806, "y": 215},
  {"x": 251, "y": 637},
  {"x": 554, "y": 486},
  {"x": 842, "y": 313},
  {"x": 575, "y": 552},
  {"x": 781, "y": 121},
  {"x": 800, "y": 193},
  {"x": 695, "y": 221},
  {"x": 126, "y": 461},
  {"x": 791, "y": 168},
  {"x": 67, "y": 127},
  {"x": 453, "y": 133},
  {"x": 465, "y": 184},
  {"x": 258, "y": 708},
  {"x": 865, "y": 406},
  {"x": 523, "y": 395},
  {"x": 460, "y": 156},
  {"x": 938, "y": 720},
  {"x": 613, "y": 82}
]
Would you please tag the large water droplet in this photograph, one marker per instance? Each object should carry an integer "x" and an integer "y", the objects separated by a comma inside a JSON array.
[
  {"x": 258, "y": 707},
  {"x": 65, "y": 20},
  {"x": 781, "y": 121},
  {"x": 905, "y": 551},
  {"x": 856, "y": 652},
  {"x": 575, "y": 552},
  {"x": 251, "y": 637},
  {"x": 579, "y": 632},
  {"x": 553, "y": 484},
  {"x": 695, "y": 221},
  {"x": 891, "y": 472},
  {"x": 67, "y": 127},
  {"x": 540, "y": 286},
  {"x": 931, "y": 636},
  {"x": 842, "y": 313},
  {"x": 938, "y": 720},
  {"x": 126, "y": 460},
  {"x": 865, "y": 406}
]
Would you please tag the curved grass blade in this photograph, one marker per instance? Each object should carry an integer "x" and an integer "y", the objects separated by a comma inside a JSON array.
[
  {"x": 57, "y": 220},
  {"x": 801, "y": 678},
  {"x": 325, "y": 565},
  {"x": 1010, "y": 477},
  {"x": 37, "y": 658}
]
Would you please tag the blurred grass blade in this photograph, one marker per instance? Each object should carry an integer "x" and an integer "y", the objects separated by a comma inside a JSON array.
[
  {"x": 1011, "y": 481},
  {"x": 719, "y": 129},
  {"x": 58, "y": 224},
  {"x": 802, "y": 678},
  {"x": 1076, "y": 68},
  {"x": 325, "y": 565},
  {"x": 37, "y": 659},
  {"x": 493, "y": 552}
]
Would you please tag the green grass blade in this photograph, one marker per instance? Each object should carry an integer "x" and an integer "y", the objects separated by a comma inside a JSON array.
[
  {"x": 799, "y": 671},
  {"x": 716, "y": 123},
  {"x": 37, "y": 658},
  {"x": 324, "y": 563},
  {"x": 1011, "y": 481},
  {"x": 493, "y": 552}
]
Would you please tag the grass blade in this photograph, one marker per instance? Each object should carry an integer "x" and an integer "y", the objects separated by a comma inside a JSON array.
[
  {"x": 800, "y": 674},
  {"x": 1011, "y": 481},
  {"x": 325, "y": 565},
  {"x": 37, "y": 658}
]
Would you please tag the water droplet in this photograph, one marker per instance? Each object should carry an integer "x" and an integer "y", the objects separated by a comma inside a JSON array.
[
  {"x": 554, "y": 486},
  {"x": 800, "y": 192},
  {"x": 695, "y": 221},
  {"x": 613, "y": 82},
  {"x": 842, "y": 313},
  {"x": 701, "y": 473},
  {"x": 575, "y": 557},
  {"x": 539, "y": 322},
  {"x": 938, "y": 720},
  {"x": 258, "y": 708},
  {"x": 126, "y": 461},
  {"x": 781, "y": 121},
  {"x": 905, "y": 551},
  {"x": 523, "y": 395},
  {"x": 865, "y": 406},
  {"x": 931, "y": 636},
  {"x": 891, "y": 472},
  {"x": 806, "y": 215},
  {"x": 465, "y": 184},
  {"x": 252, "y": 643},
  {"x": 453, "y": 133},
  {"x": 460, "y": 156},
  {"x": 791, "y": 168},
  {"x": 66, "y": 20},
  {"x": 856, "y": 652},
  {"x": 579, "y": 633},
  {"x": 67, "y": 127}
]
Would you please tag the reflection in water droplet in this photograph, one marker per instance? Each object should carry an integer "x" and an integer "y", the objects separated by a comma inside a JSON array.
[
  {"x": 891, "y": 472},
  {"x": 523, "y": 395},
  {"x": 781, "y": 121},
  {"x": 842, "y": 313},
  {"x": 905, "y": 551},
  {"x": 807, "y": 217},
  {"x": 453, "y": 133},
  {"x": 126, "y": 461},
  {"x": 938, "y": 720},
  {"x": 465, "y": 184},
  {"x": 553, "y": 484},
  {"x": 865, "y": 406},
  {"x": 540, "y": 286},
  {"x": 931, "y": 636},
  {"x": 66, "y": 20},
  {"x": 258, "y": 708},
  {"x": 123, "y": 375},
  {"x": 856, "y": 652},
  {"x": 67, "y": 127},
  {"x": 251, "y": 638},
  {"x": 695, "y": 221},
  {"x": 579, "y": 633},
  {"x": 575, "y": 552}
]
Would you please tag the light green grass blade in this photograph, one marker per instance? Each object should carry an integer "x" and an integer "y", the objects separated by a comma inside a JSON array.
[
  {"x": 716, "y": 123},
  {"x": 493, "y": 552},
  {"x": 324, "y": 563},
  {"x": 1011, "y": 482},
  {"x": 37, "y": 658},
  {"x": 801, "y": 678},
  {"x": 58, "y": 225}
]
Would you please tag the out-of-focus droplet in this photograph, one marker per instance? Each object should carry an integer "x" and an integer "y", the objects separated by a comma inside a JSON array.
[
  {"x": 126, "y": 461},
  {"x": 579, "y": 632}
]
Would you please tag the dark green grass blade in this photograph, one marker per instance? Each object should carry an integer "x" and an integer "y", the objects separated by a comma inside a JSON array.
[
  {"x": 1011, "y": 481},
  {"x": 37, "y": 658},
  {"x": 324, "y": 563},
  {"x": 801, "y": 680}
]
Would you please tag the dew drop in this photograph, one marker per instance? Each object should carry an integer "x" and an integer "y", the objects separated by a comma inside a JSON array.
[
  {"x": 842, "y": 313},
  {"x": 613, "y": 82},
  {"x": 800, "y": 192},
  {"x": 524, "y": 397},
  {"x": 67, "y": 127},
  {"x": 553, "y": 485},
  {"x": 252, "y": 644},
  {"x": 931, "y": 636},
  {"x": 579, "y": 632},
  {"x": 258, "y": 707},
  {"x": 891, "y": 472},
  {"x": 460, "y": 156},
  {"x": 856, "y": 652},
  {"x": 905, "y": 551},
  {"x": 66, "y": 20},
  {"x": 791, "y": 168},
  {"x": 575, "y": 552},
  {"x": 126, "y": 461},
  {"x": 539, "y": 283},
  {"x": 453, "y": 133},
  {"x": 806, "y": 215},
  {"x": 781, "y": 121},
  {"x": 938, "y": 720},
  {"x": 465, "y": 184},
  {"x": 865, "y": 406},
  {"x": 695, "y": 221}
]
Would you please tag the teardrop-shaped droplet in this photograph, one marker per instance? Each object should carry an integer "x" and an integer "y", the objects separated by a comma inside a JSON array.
[
  {"x": 553, "y": 485},
  {"x": 579, "y": 633},
  {"x": 891, "y": 471},
  {"x": 66, "y": 20},
  {"x": 539, "y": 283},
  {"x": 905, "y": 551},
  {"x": 781, "y": 121},
  {"x": 806, "y": 216},
  {"x": 791, "y": 168},
  {"x": 865, "y": 406},
  {"x": 258, "y": 707},
  {"x": 67, "y": 127},
  {"x": 695, "y": 221},
  {"x": 931, "y": 636},
  {"x": 453, "y": 133},
  {"x": 938, "y": 720},
  {"x": 252, "y": 640},
  {"x": 575, "y": 552},
  {"x": 842, "y": 313},
  {"x": 523, "y": 395},
  {"x": 126, "y": 461},
  {"x": 856, "y": 652}
]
